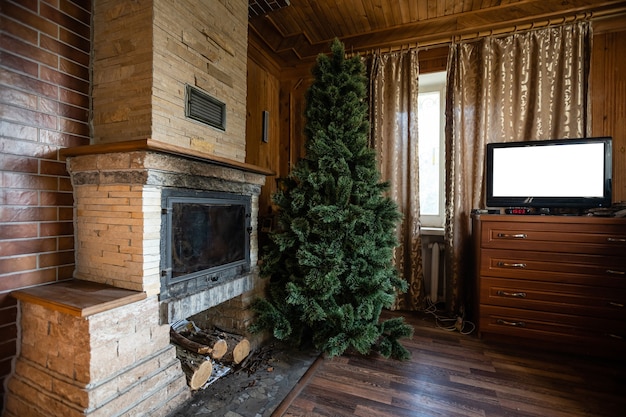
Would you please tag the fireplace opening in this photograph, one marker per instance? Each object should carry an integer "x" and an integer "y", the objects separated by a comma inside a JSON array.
[{"x": 205, "y": 240}]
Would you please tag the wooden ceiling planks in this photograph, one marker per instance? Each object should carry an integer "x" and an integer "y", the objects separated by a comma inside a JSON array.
[
  {"x": 374, "y": 15},
  {"x": 326, "y": 24},
  {"x": 359, "y": 16},
  {"x": 301, "y": 31},
  {"x": 414, "y": 10},
  {"x": 404, "y": 9}
]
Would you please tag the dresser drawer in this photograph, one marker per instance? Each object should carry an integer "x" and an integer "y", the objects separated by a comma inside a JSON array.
[
  {"x": 558, "y": 282},
  {"x": 573, "y": 268},
  {"x": 565, "y": 328},
  {"x": 598, "y": 240},
  {"x": 573, "y": 299}
]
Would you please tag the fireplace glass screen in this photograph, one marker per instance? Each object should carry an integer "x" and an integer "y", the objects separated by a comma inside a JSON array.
[{"x": 207, "y": 238}]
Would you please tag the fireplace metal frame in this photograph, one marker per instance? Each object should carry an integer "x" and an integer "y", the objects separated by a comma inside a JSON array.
[{"x": 174, "y": 287}]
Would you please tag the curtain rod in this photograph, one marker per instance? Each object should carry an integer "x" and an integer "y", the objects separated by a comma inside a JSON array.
[
  {"x": 542, "y": 24},
  {"x": 491, "y": 32}
]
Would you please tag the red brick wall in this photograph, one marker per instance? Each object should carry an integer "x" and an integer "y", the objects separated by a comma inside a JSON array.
[{"x": 44, "y": 105}]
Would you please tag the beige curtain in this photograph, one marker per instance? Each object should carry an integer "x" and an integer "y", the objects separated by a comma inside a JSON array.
[
  {"x": 525, "y": 86},
  {"x": 393, "y": 116}
]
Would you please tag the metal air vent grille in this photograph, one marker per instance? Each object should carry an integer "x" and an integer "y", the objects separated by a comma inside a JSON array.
[
  {"x": 205, "y": 109},
  {"x": 261, "y": 7}
]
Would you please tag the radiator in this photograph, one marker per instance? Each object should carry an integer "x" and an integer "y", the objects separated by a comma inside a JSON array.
[{"x": 437, "y": 271}]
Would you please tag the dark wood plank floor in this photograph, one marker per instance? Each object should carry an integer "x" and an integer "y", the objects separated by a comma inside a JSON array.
[{"x": 451, "y": 375}]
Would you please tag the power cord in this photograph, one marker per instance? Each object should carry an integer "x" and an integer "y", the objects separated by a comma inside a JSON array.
[{"x": 458, "y": 324}]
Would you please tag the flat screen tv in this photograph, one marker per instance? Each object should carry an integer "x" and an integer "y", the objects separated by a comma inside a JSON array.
[{"x": 551, "y": 174}]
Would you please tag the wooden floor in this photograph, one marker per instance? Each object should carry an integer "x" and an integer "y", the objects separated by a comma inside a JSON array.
[{"x": 451, "y": 375}]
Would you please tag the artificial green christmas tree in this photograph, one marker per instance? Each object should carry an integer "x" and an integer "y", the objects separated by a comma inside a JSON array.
[{"x": 330, "y": 259}]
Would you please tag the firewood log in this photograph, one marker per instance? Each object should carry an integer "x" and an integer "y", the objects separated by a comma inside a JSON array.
[
  {"x": 238, "y": 349},
  {"x": 215, "y": 340},
  {"x": 197, "y": 368},
  {"x": 241, "y": 350},
  {"x": 189, "y": 345}
]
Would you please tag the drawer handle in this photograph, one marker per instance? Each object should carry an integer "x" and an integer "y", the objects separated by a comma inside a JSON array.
[
  {"x": 615, "y": 336},
  {"x": 511, "y": 323},
  {"x": 511, "y": 294},
  {"x": 616, "y": 239},
  {"x": 615, "y": 272},
  {"x": 614, "y": 304},
  {"x": 512, "y": 236},
  {"x": 511, "y": 265}
]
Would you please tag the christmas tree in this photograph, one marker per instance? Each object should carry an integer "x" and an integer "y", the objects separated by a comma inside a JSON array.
[{"x": 330, "y": 258}]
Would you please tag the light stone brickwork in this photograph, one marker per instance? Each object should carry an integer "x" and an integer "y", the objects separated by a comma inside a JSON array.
[
  {"x": 234, "y": 314},
  {"x": 184, "y": 307},
  {"x": 147, "y": 51},
  {"x": 122, "y": 70},
  {"x": 117, "y": 235},
  {"x": 117, "y": 362}
]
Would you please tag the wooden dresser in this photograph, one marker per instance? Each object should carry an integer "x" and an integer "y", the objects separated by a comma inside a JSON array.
[{"x": 558, "y": 281}]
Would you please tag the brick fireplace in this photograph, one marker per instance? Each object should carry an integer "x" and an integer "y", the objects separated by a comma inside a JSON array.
[
  {"x": 120, "y": 212},
  {"x": 98, "y": 345}
]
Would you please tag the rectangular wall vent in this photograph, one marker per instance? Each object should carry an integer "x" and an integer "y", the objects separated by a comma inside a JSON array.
[{"x": 205, "y": 109}]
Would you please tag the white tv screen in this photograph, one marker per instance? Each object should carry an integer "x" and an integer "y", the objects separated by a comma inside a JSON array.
[{"x": 549, "y": 173}]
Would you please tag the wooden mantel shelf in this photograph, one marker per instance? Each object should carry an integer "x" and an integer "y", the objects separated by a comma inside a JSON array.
[
  {"x": 158, "y": 146},
  {"x": 78, "y": 297}
]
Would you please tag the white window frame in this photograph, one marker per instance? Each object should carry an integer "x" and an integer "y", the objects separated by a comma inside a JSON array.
[{"x": 430, "y": 82}]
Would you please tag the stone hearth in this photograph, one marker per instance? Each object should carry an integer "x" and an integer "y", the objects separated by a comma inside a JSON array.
[{"x": 99, "y": 345}]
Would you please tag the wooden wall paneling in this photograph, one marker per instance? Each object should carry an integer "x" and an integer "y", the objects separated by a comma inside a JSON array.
[
  {"x": 263, "y": 95},
  {"x": 285, "y": 127},
  {"x": 608, "y": 94},
  {"x": 292, "y": 103},
  {"x": 433, "y": 59},
  {"x": 298, "y": 108}
]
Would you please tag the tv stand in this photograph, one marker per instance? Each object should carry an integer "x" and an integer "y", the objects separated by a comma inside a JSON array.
[{"x": 558, "y": 281}]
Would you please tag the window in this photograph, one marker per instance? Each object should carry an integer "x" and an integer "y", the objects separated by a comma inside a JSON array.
[{"x": 431, "y": 122}]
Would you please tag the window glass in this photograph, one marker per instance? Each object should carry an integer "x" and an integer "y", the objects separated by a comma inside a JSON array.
[{"x": 431, "y": 99}]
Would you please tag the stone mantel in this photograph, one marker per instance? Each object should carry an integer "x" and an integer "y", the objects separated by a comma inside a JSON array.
[{"x": 151, "y": 145}]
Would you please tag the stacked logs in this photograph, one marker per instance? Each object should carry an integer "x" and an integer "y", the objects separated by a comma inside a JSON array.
[{"x": 197, "y": 350}]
